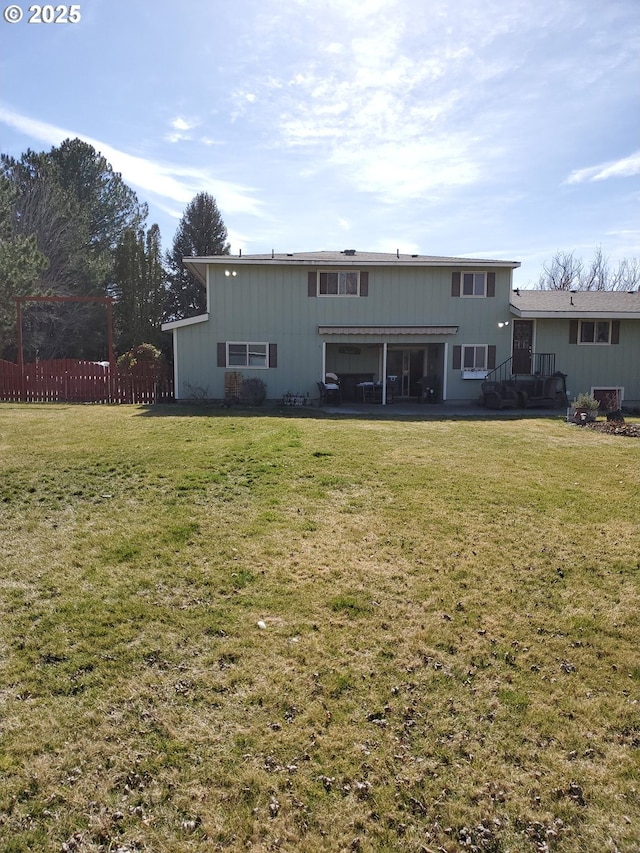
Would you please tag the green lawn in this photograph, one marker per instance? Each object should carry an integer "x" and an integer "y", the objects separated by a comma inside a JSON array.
[{"x": 222, "y": 631}]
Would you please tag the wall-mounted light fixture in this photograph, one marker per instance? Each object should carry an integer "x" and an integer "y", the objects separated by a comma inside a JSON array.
[
  {"x": 230, "y": 272},
  {"x": 503, "y": 324}
]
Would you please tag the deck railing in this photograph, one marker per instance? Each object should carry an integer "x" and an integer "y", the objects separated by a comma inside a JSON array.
[{"x": 542, "y": 364}]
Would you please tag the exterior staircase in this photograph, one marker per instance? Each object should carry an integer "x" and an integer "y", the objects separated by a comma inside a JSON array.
[{"x": 543, "y": 386}]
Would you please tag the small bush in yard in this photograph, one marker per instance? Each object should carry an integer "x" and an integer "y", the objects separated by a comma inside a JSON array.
[{"x": 254, "y": 391}]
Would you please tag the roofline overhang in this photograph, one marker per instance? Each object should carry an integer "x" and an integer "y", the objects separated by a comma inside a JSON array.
[
  {"x": 199, "y": 270},
  {"x": 195, "y": 265},
  {"x": 187, "y": 321},
  {"x": 575, "y": 314}
]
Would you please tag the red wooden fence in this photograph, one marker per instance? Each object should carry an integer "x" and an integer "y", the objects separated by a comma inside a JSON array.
[{"x": 73, "y": 381}]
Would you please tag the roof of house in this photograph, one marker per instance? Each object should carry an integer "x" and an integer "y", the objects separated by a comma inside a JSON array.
[
  {"x": 579, "y": 304},
  {"x": 347, "y": 257}
]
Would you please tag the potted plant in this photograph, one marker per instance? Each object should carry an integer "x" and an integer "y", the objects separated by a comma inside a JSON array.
[{"x": 585, "y": 408}]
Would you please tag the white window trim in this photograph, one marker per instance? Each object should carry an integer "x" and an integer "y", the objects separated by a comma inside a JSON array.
[
  {"x": 594, "y": 343},
  {"x": 248, "y": 344},
  {"x": 619, "y": 389},
  {"x": 475, "y": 369},
  {"x": 464, "y": 295},
  {"x": 337, "y": 295}
]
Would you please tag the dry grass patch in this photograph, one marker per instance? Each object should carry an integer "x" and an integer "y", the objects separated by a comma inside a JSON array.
[{"x": 223, "y": 632}]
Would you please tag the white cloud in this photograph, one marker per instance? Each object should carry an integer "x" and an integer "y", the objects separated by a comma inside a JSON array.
[
  {"x": 181, "y": 128},
  {"x": 169, "y": 181},
  {"x": 623, "y": 168},
  {"x": 396, "y": 120},
  {"x": 181, "y": 124}
]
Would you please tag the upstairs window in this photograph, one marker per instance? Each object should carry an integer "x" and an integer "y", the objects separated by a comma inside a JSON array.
[
  {"x": 343, "y": 283},
  {"x": 474, "y": 284}
]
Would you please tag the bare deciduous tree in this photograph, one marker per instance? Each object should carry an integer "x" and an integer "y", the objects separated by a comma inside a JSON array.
[{"x": 567, "y": 272}]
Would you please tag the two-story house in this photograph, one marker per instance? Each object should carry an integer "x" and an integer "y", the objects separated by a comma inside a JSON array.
[{"x": 394, "y": 319}]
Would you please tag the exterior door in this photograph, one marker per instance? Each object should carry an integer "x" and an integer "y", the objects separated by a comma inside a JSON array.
[
  {"x": 408, "y": 365},
  {"x": 522, "y": 346},
  {"x": 405, "y": 376}
]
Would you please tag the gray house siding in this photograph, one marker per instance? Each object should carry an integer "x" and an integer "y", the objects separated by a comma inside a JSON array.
[{"x": 270, "y": 304}]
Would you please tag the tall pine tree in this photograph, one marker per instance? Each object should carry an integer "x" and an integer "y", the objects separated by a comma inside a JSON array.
[
  {"x": 201, "y": 232},
  {"x": 21, "y": 264},
  {"x": 139, "y": 288},
  {"x": 78, "y": 209}
]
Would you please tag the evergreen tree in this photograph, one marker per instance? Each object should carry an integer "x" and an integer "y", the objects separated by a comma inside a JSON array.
[
  {"x": 138, "y": 288},
  {"x": 201, "y": 232},
  {"x": 109, "y": 206},
  {"x": 21, "y": 263},
  {"x": 78, "y": 208},
  {"x": 41, "y": 207}
]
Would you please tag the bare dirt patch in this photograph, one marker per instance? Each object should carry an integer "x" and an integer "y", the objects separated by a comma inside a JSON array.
[{"x": 616, "y": 428}]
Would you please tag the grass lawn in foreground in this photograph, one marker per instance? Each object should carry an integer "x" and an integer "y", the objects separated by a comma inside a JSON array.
[{"x": 222, "y": 631}]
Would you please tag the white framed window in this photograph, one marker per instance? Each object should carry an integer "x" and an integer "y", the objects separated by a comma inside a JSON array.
[
  {"x": 594, "y": 332},
  {"x": 240, "y": 354},
  {"x": 339, "y": 283},
  {"x": 475, "y": 356},
  {"x": 474, "y": 284}
]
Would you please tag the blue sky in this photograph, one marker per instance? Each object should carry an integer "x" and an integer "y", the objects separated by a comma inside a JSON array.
[{"x": 480, "y": 128}]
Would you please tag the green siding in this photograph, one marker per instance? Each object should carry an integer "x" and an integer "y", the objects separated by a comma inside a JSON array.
[
  {"x": 586, "y": 366},
  {"x": 271, "y": 304}
]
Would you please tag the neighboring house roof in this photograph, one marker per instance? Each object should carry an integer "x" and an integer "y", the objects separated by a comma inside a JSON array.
[
  {"x": 578, "y": 304},
  {"x": 346, "y": 257}
]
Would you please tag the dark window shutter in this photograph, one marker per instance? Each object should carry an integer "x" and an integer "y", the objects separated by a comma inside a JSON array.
[
  {"x": 491, "y": 284},
  {"x": 222, "y": 354},
  {"x": 615, "y": 331},
  {"x": 273, "y": 355},
  {"x": 364, "y": 284},
  {"x": 312, "y": 284},
  {"x": 457, "y": 357},
  {"x": 491, "y": 358},
  {"x": 455, "y": 284},
  {"x": 573, "y": 331}
]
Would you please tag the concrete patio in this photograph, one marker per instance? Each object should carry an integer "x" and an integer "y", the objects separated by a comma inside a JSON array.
[{"x": 439, "y": 411}]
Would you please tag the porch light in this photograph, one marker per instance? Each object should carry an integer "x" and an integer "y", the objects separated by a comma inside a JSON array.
[
  {"x": 502, "y": 325},
  {"x": 228, "y": 272}
]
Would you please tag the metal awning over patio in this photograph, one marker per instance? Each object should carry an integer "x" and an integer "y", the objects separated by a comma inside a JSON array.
[{"x": 387, "y": 330}]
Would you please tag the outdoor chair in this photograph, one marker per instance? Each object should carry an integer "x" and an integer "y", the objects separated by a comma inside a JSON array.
[
  {"x": 329, "y": 393},
  {"x": 498, "y": 395},
  {"x": 550, "y": 394}
]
